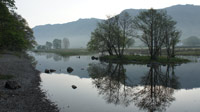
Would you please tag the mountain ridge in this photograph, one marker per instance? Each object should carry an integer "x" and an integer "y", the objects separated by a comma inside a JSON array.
[{"x": 78, "y": 32}]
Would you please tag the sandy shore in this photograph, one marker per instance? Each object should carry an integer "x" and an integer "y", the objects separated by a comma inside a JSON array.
[{"x": 29, "y": 98}]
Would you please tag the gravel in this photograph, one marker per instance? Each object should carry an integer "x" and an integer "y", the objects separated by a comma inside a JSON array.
[{"x": 28, "y": 98}]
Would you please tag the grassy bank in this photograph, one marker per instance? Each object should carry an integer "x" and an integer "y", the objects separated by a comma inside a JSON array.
[
  {"x": 189, "y": 53},
  {"x": 6, "y": 77},
  {"x": 67, "y": 52},
  {"x": 179, "y": 51},
  {"x": 142, "y": 59},
  {"x": 18, "y": 68}
]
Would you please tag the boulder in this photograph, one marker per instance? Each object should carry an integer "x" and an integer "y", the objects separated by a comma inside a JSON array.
[
  {"x": 12, "y": 85},
  {"x": 70, "y": 69}
]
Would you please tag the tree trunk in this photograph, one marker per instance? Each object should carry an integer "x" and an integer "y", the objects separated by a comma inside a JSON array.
[
  {"x": 110, "y": 52},
  {"x": 173, "y": 53}
]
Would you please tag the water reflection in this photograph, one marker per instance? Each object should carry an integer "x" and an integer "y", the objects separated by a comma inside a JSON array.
[
  {"x": 53, "y": 56},
  {"x": 126, "y": 88},
  {"x": 110, "y": 80},
  {"x": 192, "y": 58},
  {"x": 34, "y": 62},
  {"x": 158, "y": 89},
  {"x": 155, "y": 94}
]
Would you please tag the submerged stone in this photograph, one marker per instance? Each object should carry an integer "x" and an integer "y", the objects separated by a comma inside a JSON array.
[
  {"x": 74, "y": 87},
  {"x": 46, "y": 71},
  {"x": 70, "y": 69},
  {"x": 94, "y": 58}
]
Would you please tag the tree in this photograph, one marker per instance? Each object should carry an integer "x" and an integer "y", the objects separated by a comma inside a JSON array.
[
  {"x": 173, "y": 40},
  {"x": 48, "y": 45},
  {"x": 102, "y": 39},
  {"x": 126, "y": 26},
  {"x": 112, "y": 35},
  {"x": 191, "y": 41},
  {"x": 65, "y": 43},
  {"x": 8, "y": 3},
  {"x": 57, "y": 44},
  {"x": 41, "y": 47},
  {"x": 15, "y": 33},
  {"x": 156, "y": 27}
]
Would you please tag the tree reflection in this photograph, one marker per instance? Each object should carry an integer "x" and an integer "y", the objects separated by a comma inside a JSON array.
[
  {"x": 49, "y": 56},
  {"x": 110, "y": 80},
  {"x": 57, "y": 57},
  {"x": 155, "y": 94},
  {"x": 53, "y": 56}
]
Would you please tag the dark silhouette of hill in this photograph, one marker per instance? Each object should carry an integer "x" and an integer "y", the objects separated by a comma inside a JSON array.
[{"x": 78, "y": 32}]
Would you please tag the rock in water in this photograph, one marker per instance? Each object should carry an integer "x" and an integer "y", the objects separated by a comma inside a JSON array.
[
  {"x": 94, "y": 58},
  {"x": 74, "y": 87},
  {"x": 47, "y": 71},
  {"x": 52, "y": 70},
  {"x": 69, "y": 69},
  {"x": 12, "y": 85}
]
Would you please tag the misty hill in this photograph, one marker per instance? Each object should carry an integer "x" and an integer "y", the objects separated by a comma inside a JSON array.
[
  {"x": 78, "y": 32},
  {"x": 187, "y": 17}
]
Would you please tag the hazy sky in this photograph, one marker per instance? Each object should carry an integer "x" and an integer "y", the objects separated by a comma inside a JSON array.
[{"x": 39, "y": 12}]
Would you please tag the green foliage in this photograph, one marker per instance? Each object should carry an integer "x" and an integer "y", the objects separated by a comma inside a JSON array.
[
  {"x": 8, "y": 3},
  {"x": 15, "y": 34}
]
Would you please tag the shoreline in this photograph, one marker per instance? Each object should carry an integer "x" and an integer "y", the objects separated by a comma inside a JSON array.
[
  {"x": 66, "y": 52},
  {"x": 136, "y": 59},
  {"x": 28, "y": 98}
]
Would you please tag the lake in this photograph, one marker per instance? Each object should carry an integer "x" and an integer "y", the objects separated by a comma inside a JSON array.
[{"x": 108, "y": 87}]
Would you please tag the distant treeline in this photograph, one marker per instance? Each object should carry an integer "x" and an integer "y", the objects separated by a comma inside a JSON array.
[
  {"x": 15, "y": 34},
  {"x": 56, "y": 44}
]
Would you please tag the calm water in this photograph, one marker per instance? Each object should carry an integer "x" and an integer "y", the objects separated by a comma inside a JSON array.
[{"x": 107, "y": 87}]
